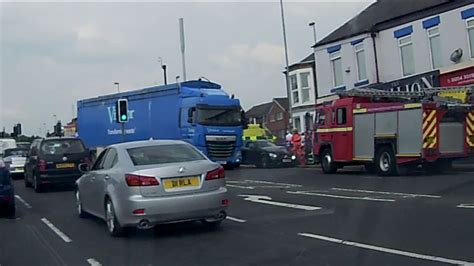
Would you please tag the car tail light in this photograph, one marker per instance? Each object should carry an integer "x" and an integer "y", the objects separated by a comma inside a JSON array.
[
  {"x": 215, "y": 174},
  {"x": 225, "y": 202},
  {"x": 140, "y": 180},
  {"x": 42, "y": 165},
  {"x": 139, "y": 211}
]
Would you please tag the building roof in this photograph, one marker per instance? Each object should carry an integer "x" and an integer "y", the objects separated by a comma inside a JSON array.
[
  {"x": 283, "y": 102},
  {"x": 259, "y": 110},
  {"x": 389, "y": 13}
]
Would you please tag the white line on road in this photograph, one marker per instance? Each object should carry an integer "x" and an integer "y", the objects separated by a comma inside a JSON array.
[
  {"x": 235, "y": 219},
  {"x": 386, "y": 193},
  {"x": 309, "y": 193},
  {"x": 244, "y": 187},
  {"x": 268, "y": 200},
  {"x": 27, "y": 205},
  {"x": 386, "y": 250},
  {"x": 93, "y": 262},
  {"x": 273, "y": 183},
  {"x": 56, "y": 230},
  {"x": 466, "y": 205}
]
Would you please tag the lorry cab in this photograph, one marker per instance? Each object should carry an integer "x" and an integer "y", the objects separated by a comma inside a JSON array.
[{"x": 212, "y": 121}]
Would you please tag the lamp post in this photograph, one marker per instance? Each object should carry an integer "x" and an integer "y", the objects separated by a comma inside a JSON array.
[
  {"x": 312, "y": 24},
  {"x": 286, "y": 59},
  {"x": 164, "y": 70}
]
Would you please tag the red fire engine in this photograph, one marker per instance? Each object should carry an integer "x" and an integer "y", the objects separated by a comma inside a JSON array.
[{"x": 394, "y": 132}]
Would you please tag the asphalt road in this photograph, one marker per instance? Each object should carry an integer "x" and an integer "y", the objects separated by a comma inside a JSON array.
[{"x": 277, "y": 217}]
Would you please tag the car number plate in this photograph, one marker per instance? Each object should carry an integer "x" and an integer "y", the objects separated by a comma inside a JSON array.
[
  {"x": 171, "y": 183},
  {"x": 287, "y": 160},
  {"x": 65, "y": 165}
]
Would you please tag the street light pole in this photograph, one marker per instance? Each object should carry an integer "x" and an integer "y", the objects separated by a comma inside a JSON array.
[
  {"x": 313, "y": 25},
  {"x": 182, "y": 41},
  {"x": 164, "y": 70},
  {"x": 288, "y": 91},
  {"x": 118, "y": 86}
]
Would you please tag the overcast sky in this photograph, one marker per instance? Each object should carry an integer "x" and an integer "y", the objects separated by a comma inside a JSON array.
[{"x": 53, "y": 54}]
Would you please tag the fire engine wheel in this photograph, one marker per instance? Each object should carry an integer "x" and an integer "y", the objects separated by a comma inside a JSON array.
[
  {"x": 327, "y": 162},
  {"x": 386, "y": 162}
]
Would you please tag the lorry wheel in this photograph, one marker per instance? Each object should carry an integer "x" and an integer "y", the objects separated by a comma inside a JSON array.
[
  {"x": 385, "y": 161},
  {"x": 327, "y": 162}
]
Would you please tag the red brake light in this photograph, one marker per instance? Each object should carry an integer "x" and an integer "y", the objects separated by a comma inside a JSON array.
[
  {"x": 216, "y": 174},
  {"x": 140, "y": 180},
  {"x": 42, "y": 165}
]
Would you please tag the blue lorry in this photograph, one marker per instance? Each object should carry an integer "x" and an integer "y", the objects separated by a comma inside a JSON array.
[{"x": 198, "y": 112}]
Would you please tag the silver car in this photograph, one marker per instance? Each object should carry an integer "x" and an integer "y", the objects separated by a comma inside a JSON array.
[
  {"x": 15, "y": 159},
  {"x": 144, "y": 183}
]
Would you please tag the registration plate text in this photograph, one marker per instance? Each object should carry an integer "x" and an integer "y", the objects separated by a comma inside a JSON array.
[{"x": 181, "y": 182}]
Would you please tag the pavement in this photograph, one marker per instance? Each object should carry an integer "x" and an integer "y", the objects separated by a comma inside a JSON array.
[{"x": 291, "y": 216}]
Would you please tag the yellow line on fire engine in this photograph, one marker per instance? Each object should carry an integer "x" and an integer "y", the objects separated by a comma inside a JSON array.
[
  {"x": 430, "y": 130},
  {"x": 359, "y": 111},
  {"x": 471, "y": 116},
  {"x": 329, "y": 130},
  {"x": 409, "y": 155},
  {"x": 412, "y": 105}
]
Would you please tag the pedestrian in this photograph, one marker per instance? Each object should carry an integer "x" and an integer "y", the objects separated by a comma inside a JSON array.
[
  {"x": 288, "y": 138},
  {"x": 297, "y": 147}
]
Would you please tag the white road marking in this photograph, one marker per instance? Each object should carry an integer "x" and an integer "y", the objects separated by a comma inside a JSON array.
[
  {"x": 309, "y": 193},
  {"x": 93, "y": 262},
  {"x": 56, "y": 230},
  {"x": 273, "y": 183},
  {"x": 235, "y": 219},
  {"x": 386, "y": 193},
  {"x": 268, "y": 200},
  {"x": 244, "y": 187},
  {"x": 387, "y": 250},
  {"x": 27, "y": 205},
  {"x": 466, "y": 205}
]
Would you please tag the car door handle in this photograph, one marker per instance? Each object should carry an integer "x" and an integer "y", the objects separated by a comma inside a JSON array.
[
  {"x": 106, "y": 177},
  {"x": 93, "y": 178}
]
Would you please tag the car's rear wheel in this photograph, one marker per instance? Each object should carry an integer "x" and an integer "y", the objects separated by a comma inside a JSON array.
[
  {"x": 80, "y": 210},
  {"x": 37, "y": 186},
  {"x": 263, "y": 163},
  {"x": 113, "y": 225}
]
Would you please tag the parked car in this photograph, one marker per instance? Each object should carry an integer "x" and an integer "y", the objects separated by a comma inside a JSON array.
[
  {"x": 15, "y": 160},
  {"x": 263, "y": 154},
  {"x": 23, "y": 145},
  {"x": 145, "y": 183},
  {"x": 54, "y": 161},
  {"x": 7, "y": 194},
  {"x": 6, "y": 144}
]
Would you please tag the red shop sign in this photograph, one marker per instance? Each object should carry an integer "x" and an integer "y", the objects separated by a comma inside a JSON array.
[{"x": 457, "y": 78}]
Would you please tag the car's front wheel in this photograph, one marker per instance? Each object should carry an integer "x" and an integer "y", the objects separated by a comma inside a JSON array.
[{"x": 113, "y": 225}]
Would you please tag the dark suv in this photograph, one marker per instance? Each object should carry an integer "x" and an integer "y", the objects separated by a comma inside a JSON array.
[{"x": 54, "y": 161}]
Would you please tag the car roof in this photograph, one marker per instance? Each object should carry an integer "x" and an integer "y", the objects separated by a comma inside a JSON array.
[
  {"x": 145, "y": 143},
  {"x": 60, "y": 138}
]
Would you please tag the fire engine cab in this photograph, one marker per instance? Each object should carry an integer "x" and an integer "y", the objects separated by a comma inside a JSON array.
[{"x": 392, "y": 133}]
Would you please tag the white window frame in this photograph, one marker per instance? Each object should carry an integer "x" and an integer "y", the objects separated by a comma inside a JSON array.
[
  {"x": 358, "y": 49},
  {"x": 399, "y": 40},
  {"x": 305, "y": 88},
  {"x": 279, "y": 116},
  {"x": 471, "y": 53},
  {"x": 333, "y": 57},
  {"x": 293, "y": 90},
  {"x": 429, "y": 43}
]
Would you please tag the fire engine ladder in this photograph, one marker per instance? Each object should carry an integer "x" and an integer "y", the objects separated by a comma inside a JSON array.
[{"x": 426, "y": 95}]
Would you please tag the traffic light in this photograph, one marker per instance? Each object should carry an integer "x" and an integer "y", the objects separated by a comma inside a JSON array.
[{"x": 122, "y": 111}]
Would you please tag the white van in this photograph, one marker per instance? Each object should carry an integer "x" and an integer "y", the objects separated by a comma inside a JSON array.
[{"x": 6, "y": 144}]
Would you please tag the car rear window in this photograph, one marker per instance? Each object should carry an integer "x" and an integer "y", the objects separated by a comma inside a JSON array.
[
  {"x": 16, "y": 152},
  {"x": 62, "y": 146},
  {"x": 160, "y": 154}
]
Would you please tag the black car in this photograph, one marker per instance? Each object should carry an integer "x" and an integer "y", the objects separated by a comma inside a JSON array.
[
  {"x": 7, "y": 194},
  {"x": 263, "y": 153},
  {"x": 54, "y": 161}
]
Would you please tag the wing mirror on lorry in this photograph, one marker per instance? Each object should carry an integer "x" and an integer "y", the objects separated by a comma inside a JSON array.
[{"x": 191, "y": 112}]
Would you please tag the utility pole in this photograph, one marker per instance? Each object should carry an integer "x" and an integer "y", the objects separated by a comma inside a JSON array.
[
  {"x": 163, "y": 66},
  {"x": 183, "y": 48},
  {"x": 287, "y": 70}
]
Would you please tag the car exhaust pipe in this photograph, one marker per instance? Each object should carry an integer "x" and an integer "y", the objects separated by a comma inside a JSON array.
[
  {"x": 144, "y": 224},
  {"x": 221, "y": 216}
]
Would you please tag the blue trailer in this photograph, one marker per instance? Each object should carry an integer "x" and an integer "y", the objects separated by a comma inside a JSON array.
[{"x": 198, "y": 112}]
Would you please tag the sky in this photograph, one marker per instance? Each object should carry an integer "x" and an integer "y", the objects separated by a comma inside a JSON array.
[{"x": 54, "y": 54}]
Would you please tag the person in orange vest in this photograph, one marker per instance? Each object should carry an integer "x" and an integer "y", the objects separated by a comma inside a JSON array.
[{"x": 297, "y": 148}]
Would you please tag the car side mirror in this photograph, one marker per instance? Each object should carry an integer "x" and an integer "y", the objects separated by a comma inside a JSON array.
[{"x": 84, "y": 167}]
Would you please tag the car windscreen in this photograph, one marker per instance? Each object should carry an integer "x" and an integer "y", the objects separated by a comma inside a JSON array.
[
  {"x": 264, "y": 144},
  {"x": 161, "y": 154},
  {"x": 214, "y": 116},
  {"x": 62, "y": 146},
  {"x": 16, "y": 152}
]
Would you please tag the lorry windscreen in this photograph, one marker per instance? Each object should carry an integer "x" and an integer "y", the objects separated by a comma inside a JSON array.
[{"x": 219, "y": 116}]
